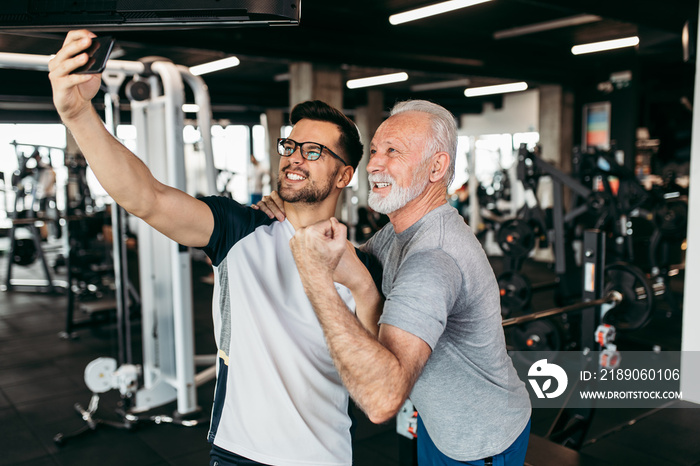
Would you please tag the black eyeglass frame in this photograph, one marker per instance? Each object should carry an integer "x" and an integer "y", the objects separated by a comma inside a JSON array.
[{"x": 300, "y": 145}]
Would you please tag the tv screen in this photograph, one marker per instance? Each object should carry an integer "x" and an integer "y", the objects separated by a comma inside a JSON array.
[{"x": 61, "y": 15}]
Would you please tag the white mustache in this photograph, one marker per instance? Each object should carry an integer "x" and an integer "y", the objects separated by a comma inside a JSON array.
[{"x": 380, "y": 178}]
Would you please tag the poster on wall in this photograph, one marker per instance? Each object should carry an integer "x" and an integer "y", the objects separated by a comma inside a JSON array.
[
  {"x": 596, "y": 125},
  {"x": 596, "y": 135}
]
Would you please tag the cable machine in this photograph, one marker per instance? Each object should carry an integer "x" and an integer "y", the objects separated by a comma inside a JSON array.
[{"x": 157, "y": 93}]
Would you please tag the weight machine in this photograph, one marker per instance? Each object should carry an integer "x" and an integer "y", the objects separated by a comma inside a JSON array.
[
  {"x": 33, "y": 208},
  {"x": 518, "y": 236},
  {"x": 610, "y": 211},
  {"x": 167, "y": 372}
]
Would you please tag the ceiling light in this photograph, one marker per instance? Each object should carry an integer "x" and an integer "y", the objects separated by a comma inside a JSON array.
[
  {"x": 432, "y": 10},
  {"x": 440, "y": 85},
  {"x": 190, "y": 108},
  {"x": 546, "y": 26},
  {"x": 215, "y": 65},
  {"x": 377, "y": 80},
  {"x": 498, "y": 89},
  {"x": 605, "y": 45}
]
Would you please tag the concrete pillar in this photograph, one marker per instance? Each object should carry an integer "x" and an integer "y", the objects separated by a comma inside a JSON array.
[
  {"x": 273, "y": 120},
  {"x": 309, "y": 82},
  {"x": 556, "y": 124},
  {"x": 328, "y": 86},
  {"x": 313, "y": 82},
  {"x": 300, "y": 83},
  {"x": 690, "y": 343},
  {"x": 368, "y": 119}
]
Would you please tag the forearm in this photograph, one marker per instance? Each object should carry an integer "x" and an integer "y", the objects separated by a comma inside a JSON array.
[
  {"x": 123, "y": 175},
  {"x": 368, "y": 303},
  {"x": 373, "y": 375}
]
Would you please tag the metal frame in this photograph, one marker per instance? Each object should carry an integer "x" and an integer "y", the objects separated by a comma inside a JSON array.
[{"x": 166, "y": 285}]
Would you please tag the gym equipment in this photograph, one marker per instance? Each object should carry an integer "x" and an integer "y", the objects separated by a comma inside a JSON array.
[
  {"x": 539, "y": 335},
  {"x": 626, "y": 290},
  {"x": 90, "y": 272},
  {"x": 31, "y": 211},
  {"x": 613, "y": 297},
  {"x": 516, "y": 238},
  {"x": 628, "y": 295},
  {"x": 167, "y": 371},
  {"x": 515, "y": 290},
  {"x": 635, "y": 308},
  {"x": 672, "y": 218},
  {"x": 616, "y": 297},
  {"x": 24, "y": 252}
]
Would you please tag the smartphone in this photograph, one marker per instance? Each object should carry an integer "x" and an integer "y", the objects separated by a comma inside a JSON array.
[{"x": 98, "y": 54}]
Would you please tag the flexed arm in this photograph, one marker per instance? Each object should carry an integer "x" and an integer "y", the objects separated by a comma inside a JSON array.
[
  {"x": 379, "y": 372},
  {"x": 369, "y": 302},
  {"x": 123, "y": 175}
]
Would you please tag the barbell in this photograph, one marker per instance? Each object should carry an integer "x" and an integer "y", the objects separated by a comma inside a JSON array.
[
  {"x": 626, "y": 290},
  {"x": 613, "y": 297}
]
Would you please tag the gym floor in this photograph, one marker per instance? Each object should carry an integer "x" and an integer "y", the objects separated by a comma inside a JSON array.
[{"x": 41, "y": 378}]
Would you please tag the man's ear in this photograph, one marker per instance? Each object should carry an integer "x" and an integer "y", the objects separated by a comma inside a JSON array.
[
  {"x": 439, "y": 166},
  {"x": 345, "y": 175}
]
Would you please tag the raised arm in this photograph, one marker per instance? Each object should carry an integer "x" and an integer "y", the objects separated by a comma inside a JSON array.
[
  {"x": 123, "y": 175},
  {"x": 378, "y": 372},
  {"x": 352, "y": 273}
]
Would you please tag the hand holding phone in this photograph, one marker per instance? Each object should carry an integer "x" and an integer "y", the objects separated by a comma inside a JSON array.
[{"x": 98, "y": 54}]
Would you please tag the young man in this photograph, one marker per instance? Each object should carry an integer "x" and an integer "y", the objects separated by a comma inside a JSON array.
[
  {"x": 441, "y": 341},
  {"x": 279, "y": 400}
]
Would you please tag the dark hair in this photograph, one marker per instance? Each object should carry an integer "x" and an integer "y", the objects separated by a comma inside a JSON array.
[{"x": 350, "y": 143}]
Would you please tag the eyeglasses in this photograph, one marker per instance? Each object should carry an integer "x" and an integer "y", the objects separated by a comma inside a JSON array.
[{"x": 309, "y": 150}]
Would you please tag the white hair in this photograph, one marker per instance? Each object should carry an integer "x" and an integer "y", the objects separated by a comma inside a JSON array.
[{"x": 443, "y": 137}]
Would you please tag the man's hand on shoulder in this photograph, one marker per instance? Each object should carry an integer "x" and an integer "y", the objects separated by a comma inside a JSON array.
[{"x": 272, "y": 205}]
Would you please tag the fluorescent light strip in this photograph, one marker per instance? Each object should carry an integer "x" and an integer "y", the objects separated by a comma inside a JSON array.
[
  {"x": 605, "y": 45},
  {"x": 498, "y": 89},
  {"x": 377, "y": 80},
  {"x": 190, "y": 108},
  {"x": 440, "y": 85},
  {"x": 546, "y": 26},
  {"x": 432, "y": 10},
  {"x": 216, "y": 65}
]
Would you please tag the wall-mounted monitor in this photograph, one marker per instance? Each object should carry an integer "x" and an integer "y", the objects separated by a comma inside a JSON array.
[
  {"x": 596, "y": 125},
  {"x": 101, "y": 15}
]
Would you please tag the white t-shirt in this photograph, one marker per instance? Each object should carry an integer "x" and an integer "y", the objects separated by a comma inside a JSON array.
[{"x": 279, "y": 399}]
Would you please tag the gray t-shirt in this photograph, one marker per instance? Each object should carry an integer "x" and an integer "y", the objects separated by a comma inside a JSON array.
[{"x": 440, "y": 287}]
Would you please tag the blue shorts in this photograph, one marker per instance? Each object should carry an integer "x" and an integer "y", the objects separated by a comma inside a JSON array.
[
  {"x": 428, "y": 453},
  {"x": 220, "y": 457}
]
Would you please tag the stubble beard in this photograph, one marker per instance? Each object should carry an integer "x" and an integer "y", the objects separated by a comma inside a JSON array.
[{"x": 312, "y": 193}]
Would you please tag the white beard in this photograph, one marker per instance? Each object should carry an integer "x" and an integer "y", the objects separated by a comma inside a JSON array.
[{"x": 398, "y": 196}]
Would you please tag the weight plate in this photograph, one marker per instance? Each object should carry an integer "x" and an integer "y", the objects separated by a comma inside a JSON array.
[
  {"x": 637, "y": 296},
  {"x": 540, "y": 335},
  {"x": 672, "y": 218},
  {"x": 516, "y": 292},
  {"x": 24, "y": 252},
  {"x": 516, "y": 238}
]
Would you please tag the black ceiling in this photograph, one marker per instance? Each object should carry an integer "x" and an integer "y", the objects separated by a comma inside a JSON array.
[{"x": 357, "y": 38}]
